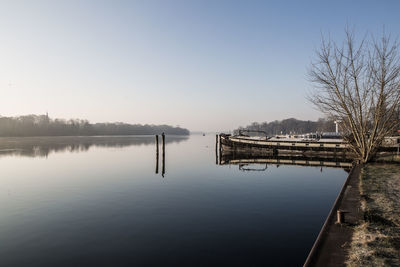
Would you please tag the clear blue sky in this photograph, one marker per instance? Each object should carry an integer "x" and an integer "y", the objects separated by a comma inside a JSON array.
[{"x": 204, "y": 65}]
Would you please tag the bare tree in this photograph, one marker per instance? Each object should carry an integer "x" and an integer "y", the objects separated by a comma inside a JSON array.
[{"x": 358, "y": 83}]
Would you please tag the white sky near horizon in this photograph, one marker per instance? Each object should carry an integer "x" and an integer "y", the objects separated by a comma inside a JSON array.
[{"x": 203, "y": 65}]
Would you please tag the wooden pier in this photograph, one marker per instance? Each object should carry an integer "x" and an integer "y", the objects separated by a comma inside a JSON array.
[
  {"x": 325, "y": 146},
  {"x": 237, "y": 142},
  {"x": 244, "y": 150}
]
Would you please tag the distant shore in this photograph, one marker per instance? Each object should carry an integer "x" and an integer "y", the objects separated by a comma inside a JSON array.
[{"x": 43, "y": 125}]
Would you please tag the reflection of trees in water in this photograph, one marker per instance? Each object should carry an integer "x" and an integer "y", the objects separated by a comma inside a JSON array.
[{"x": 43, "y": 146}]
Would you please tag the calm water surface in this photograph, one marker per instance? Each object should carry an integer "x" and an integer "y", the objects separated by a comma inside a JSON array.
[{"x": 97, "y": 201}]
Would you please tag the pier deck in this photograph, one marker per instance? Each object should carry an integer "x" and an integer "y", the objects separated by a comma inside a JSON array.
[{"x": 228, "y": 142}]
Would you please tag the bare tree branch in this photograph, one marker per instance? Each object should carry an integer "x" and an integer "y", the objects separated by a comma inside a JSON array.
[{"x": 359, "y": 84}]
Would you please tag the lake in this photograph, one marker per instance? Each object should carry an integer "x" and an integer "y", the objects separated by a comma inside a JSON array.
[{"x": 98, "y": 201}]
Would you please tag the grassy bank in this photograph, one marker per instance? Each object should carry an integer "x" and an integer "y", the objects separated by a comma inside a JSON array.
[{"x": 376, "y": 240}]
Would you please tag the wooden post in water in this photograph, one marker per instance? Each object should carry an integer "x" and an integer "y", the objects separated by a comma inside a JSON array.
[
  {"x": 163, "y": 155},
  {"x": 216, "y": 149},
  {"x": 220, "y": 149},
  {"x": 157, "y": 153}
]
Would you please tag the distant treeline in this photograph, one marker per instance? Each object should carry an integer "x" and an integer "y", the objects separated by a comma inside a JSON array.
[
  {"x": 42, "y": 125},
  {"x": 291, "y": 126}
]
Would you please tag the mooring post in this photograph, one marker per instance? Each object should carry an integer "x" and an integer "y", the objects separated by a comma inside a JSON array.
[
  {"x": 340, "y": 216},
  {"x": 216, "y": 149},
  {"x": 163, "y": 142},
  {"x": 157, "y": 152},
  {"x": 219, "y": 149},
  {"x": 157, "y": 142},
  {"x": 163, "y": 155}
]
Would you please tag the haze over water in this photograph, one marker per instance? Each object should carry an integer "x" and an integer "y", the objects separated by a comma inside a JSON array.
[
  {"x": 204, "y": 65},
  {"x": 104, "y": 205}
]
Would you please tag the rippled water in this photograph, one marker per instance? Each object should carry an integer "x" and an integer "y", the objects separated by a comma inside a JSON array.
[{"x": 97, "y": 201}]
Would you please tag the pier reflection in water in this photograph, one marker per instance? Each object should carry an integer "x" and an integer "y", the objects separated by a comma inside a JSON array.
[
  {"x": 78, "y": 201},
  {"x": 245, "y": 157}
]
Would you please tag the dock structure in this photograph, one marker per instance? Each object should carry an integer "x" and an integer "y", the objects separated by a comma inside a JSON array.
[
  {"x": 232, "y": 142},
  {"x": 303, "y": 146}
]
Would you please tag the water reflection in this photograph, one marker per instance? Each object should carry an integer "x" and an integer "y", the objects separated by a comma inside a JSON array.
[
  {"x": 43, "y": 146},
  {"x": 89, "y": 209},
  {"x": 244, "y": 160},
  {"x": 245, "y": 167}
]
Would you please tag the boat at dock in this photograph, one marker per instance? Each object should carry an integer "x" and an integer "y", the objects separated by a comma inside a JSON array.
[
  {"x": 294, "y": 145},
  {"x": 286, "y": 145}
]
